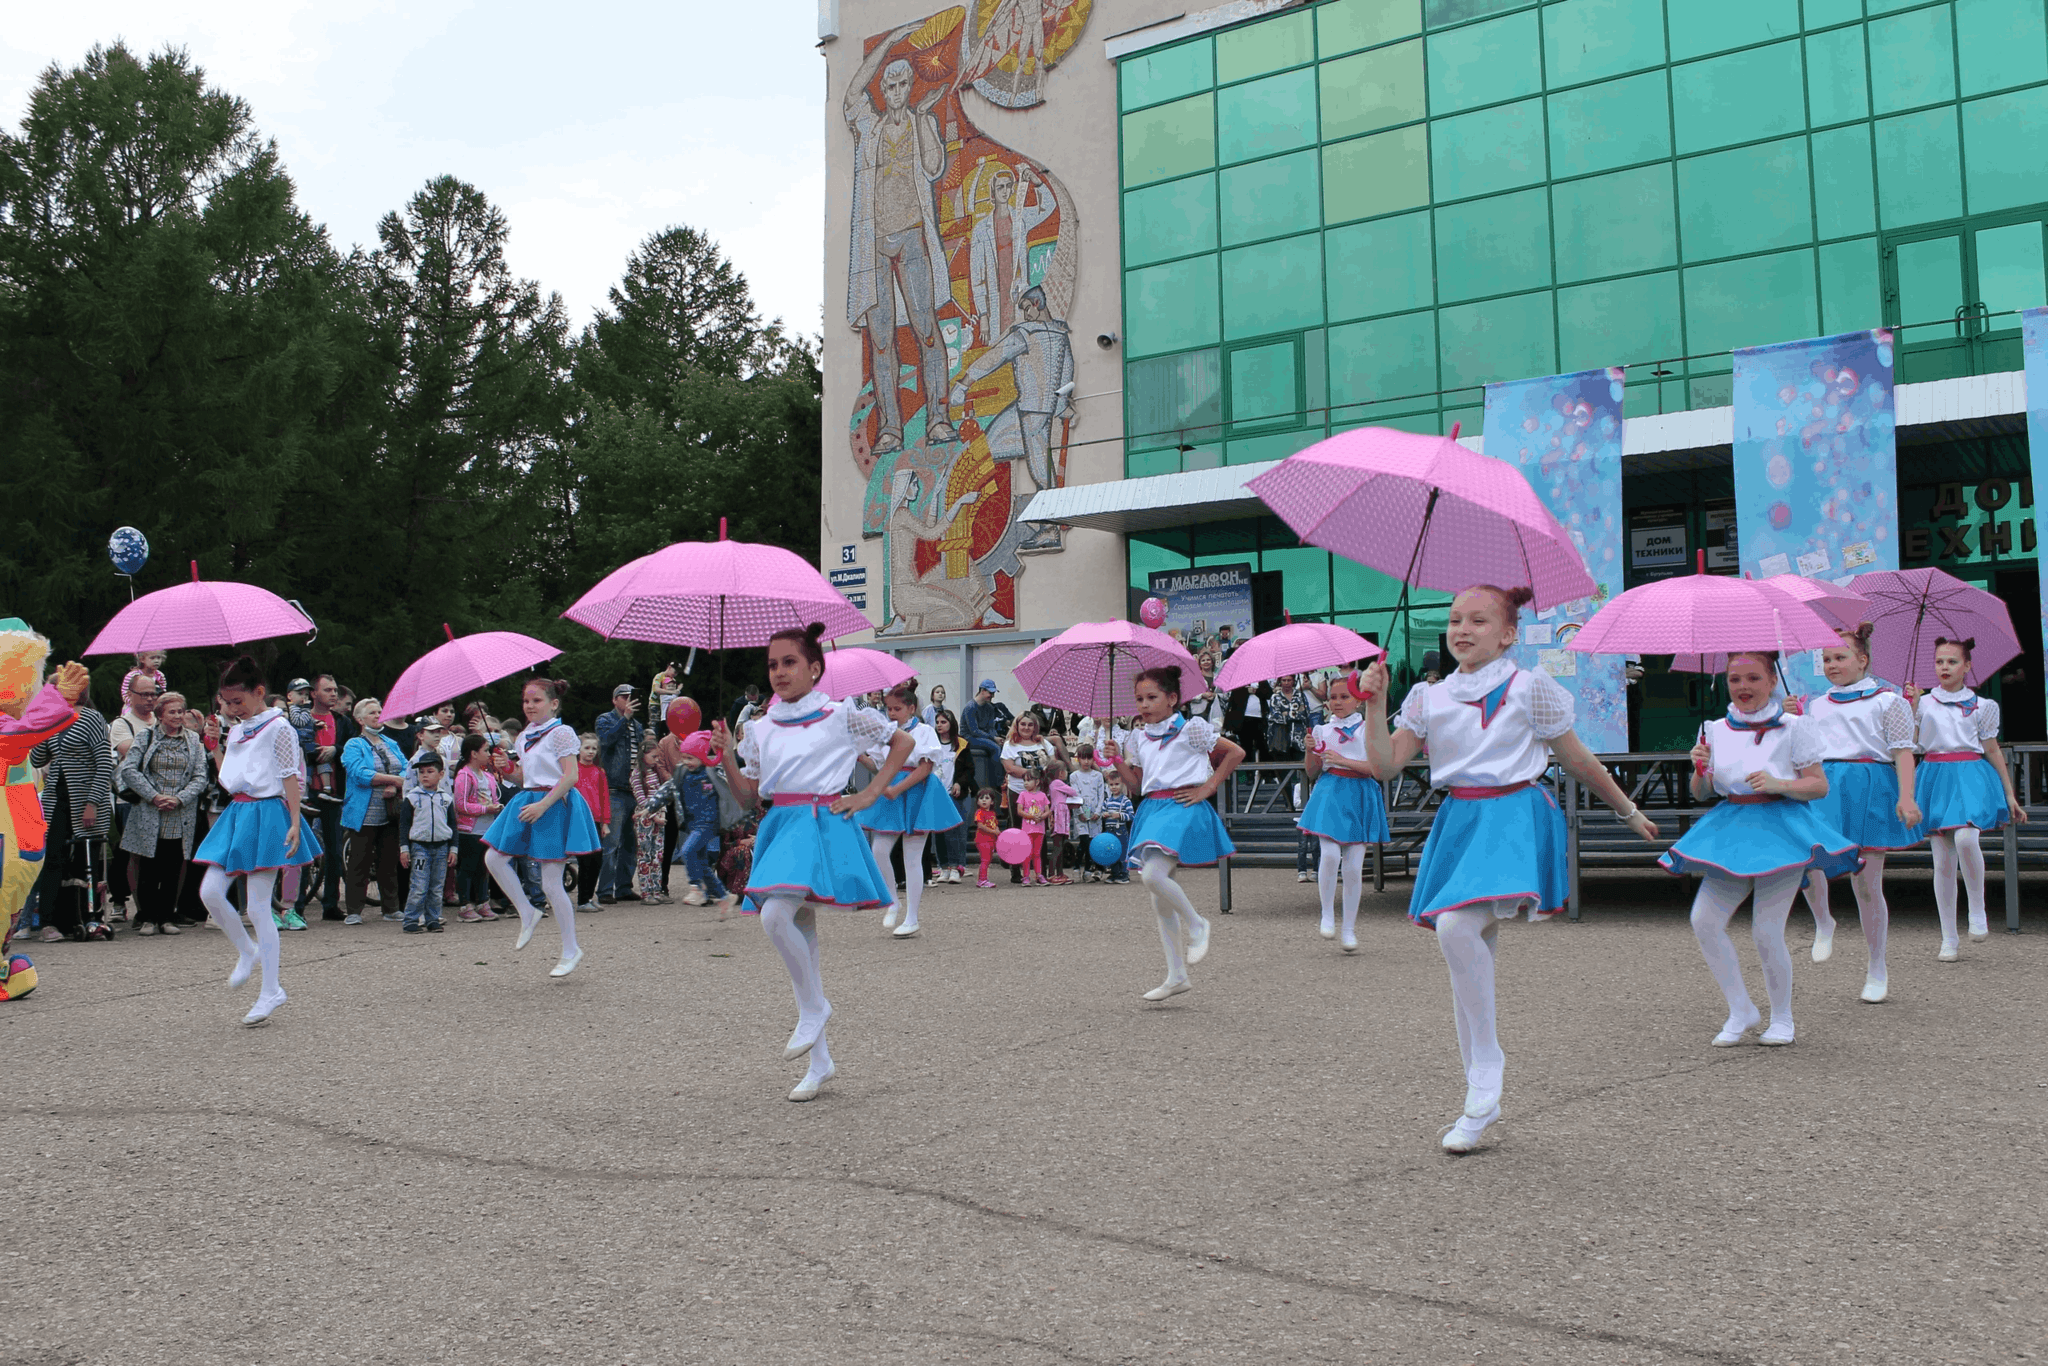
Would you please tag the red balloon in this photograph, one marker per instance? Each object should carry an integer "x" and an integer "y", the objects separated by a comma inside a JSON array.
[{"x": 684, "y": 716}]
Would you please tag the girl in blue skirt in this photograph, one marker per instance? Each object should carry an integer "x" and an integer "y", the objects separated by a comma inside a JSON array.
[
  {"x": 547, "y": 821},
  {"x": 914, "y": 807},
  {"x": 1965, "y": 786},
  {"x": 258, "y": 835},
  {"x": 1497, "y": 845},
  {"x": 1346, "y": 809},
  {"x": 1759, "y": 842},
  {"x": 1174, "y": 764},
  {"x": 1865, "y": 733},
  {"x": 799, "y": 754}
]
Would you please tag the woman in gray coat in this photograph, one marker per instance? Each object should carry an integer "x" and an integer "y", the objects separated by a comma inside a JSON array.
[{"x": 167, "y": 769}]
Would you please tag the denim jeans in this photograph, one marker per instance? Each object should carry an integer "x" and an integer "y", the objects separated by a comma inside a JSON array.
[
  {"x": 429, "y": 876},
  {"x": 529, "y": 882},
  {"x": 327, "y": 886},
  {"x": 621, "y": 849},
  {"x": 698, "y": 863}
]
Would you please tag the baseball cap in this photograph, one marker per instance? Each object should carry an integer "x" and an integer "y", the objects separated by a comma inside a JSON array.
[
  {"x": 299, "y": 685},
  {"x": 623, "y": 690},
  {"x": 987, "y": 685}
]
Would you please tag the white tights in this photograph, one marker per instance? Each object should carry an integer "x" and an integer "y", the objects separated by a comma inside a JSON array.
[
  {"x": 792, "y": 927},
  {"x": 1350, "y": 859},
  {"x": 1868, "y": 884},
  {"x": 213, "y": 890},
  {"x": 881, "y": 841},
  {"x": 1176, "y": 913},
  {"x": 1946, "y": 847},
  {"x": 506, "y": 875},
  {"x": 1719, "y": 897},
  {"x": 1466, "y": 935}
]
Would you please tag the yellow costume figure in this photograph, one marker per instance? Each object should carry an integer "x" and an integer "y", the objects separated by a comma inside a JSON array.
[{"x": 27, "y": 717}]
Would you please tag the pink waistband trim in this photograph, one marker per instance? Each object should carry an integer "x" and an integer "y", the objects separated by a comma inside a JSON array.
[
  {"x": 1753, "y": 798},
  {"x": 245, "y": 797},
  {"x": 1480, "y": 794},
  {"x": 804, "y": 799},
  {"x": 1953, "y": 756}
]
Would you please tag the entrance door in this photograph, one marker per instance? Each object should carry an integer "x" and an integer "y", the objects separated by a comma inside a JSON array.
[{"x": 1956, "y": 293}]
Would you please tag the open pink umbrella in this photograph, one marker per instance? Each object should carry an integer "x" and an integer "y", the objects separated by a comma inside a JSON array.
[
  {"x": 463, "y": 665},
  {"x": 1703, "y": 614},
  {"x": 715, "y": 595},
  {"x": 1426, "y": 510},
  {"x": 1911, "y": 608},
  {"x": 854, "y": 670},
  {"x": 1296, "y": 648},
  {"x": 1834, "y": 604},
  {"x": 1090, "y": 667},
  {"x": 192, "y": 615}
]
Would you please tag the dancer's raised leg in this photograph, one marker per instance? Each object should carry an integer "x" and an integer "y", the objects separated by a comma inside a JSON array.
[
  {"x": 880, "y": 842},
  {"x": 1970, "y": 854},
  {"x": 1713, "y": 906},
  {"x": 913, "y": 883},
  {"x": 565, "y": 915},
  {"x": 1943, "y": 847},
  {"x": 791, "y": 926},
  {"x": 1178, "y": 923},
  {"x": 506, "y": 874},
  {"x": 1328, "y": 868},
  {"x": 1823, "y": 917},
  {"x": 213, "y": 892}
]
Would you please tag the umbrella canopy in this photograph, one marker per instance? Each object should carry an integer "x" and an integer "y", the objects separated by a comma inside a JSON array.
[
  {"x": 1911, "y": 608},
  {"x": 1427, "y": 511},
  {"x": 1296, "y": 648},
  {"x": 1705, "y": 615},
  {"x": 193, "y": 615},
  {"x": 1090, "y": 667},
  {"x": 461, "y": 666},
  {"x": 1836, "y": 605},
  {"x": 715, "y": 595},
  {"x": 855, "y": 670}
]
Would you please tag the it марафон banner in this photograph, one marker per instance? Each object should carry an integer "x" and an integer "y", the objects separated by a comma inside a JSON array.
[
  {"x": 1816, "y": 464},
  {"x": 2034, "y": 325},
  {"x": 1564, "y": 433}
]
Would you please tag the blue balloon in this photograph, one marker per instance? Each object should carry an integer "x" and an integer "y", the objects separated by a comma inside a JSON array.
[
  {"x": 1105, "y": 850},
  {"x": 128, "y": 549}
]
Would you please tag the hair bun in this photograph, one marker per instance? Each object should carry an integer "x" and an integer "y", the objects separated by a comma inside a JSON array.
[
  {"x": 815, "y": 631},
  {"x": 1521, "y": 595}
]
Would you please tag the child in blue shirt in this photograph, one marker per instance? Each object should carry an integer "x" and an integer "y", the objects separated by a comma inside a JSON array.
[
  {"x": 697, "y": 816},
  {"x": 1117, "y": 813}
]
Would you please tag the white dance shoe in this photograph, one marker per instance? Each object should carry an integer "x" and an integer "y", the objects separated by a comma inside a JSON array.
[
  {"x": 1737, "y": 1028},
  {"x": 908, "y": 930},
  {"x": 1777, "y": 1036},
  {"x": 889, "y": 917},
  {"x": 1198, "y": 941},
  {"x": 1464, "y": 1136},
  {"x": 529, "y": 921},
  {"x": 1875, "y": 989},
  {"x": 1948, "y": 952},
  {"x": 567, "y": 965},
  {"x": 807, "y": 1089},
  {"x": 243, "y": 967},
  {"x": 1823, "y": 946},
  {"x": 1349, "y": 943},
  {"x": 264, "y": 1008},
  {"x": 1328, "y": 929},
  {"x": 806, "y": 1036},
  {"x": 1170, "y": 987}
]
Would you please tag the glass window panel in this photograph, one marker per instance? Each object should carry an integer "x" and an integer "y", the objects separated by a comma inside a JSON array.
[
  {"x": 1142, "y": 464},
  {"x": 1263, "y": 382},
  {"x": 1821, "y": 13},
  {"x": 1273, "y": 446},
  {"x": 1599, "y": 127},
  {"x": 1918, "y": 179},
  {"x": 1698, "y": 28},
  {"x": 2001, "y": 43},
  {"x": 1496, "y": 340},
  {"x": 1485, "y": 62},
  {"x": 1441, "y": 12},
  {"x": 1717, "y": 392},
  {"x": 1170, "y": 140},
  {"x": 1270, "y": 198},
  {"x": 2009, "y": 270},
  {"x": 1379, "y": 267},
  {"x": 1618, "y": 322},
  {"x": 1848, "y": 286},
  {"x": 1748, "y": 199},
  {"x": 1256, "y": 49},
  {"x": 1148, "y": 559},
  {"x": 1585, "y": 40},
  {"x": 1304, "y": 578},
  {"x": 1837, "y": 86},
  {"x": 1166, "y": 74},
  {"x": 1258, "y": 118},
  {"x": 1273, "y": 287},
  {"x": 1487, "y": 151},
  {"x": 1844, "y": 193},
  {"x": 1171, "y": 307},
  {"x": 1493, "y": 246},
  {"x": 1738, "y": 98},
  {"x": 1174, "y": 399},
  {"x": 1912, "y": 61},
  {"x": 1177, "y": 218},
  {"x": 2004, "y": 136},
  {"x": 1616, "y": 223},
  {"x": 1348, "y": 25},
  {"x": 1752, "y": 302},
  {"x": 1315, "y": 374},
  {"x": 1375, "y": 89},
  {"x": 1877, "y": 7},
  {"x": 1930, "y": 282},
  {"x": 1384, "y": 366},
  {"x": 1384, "y": 173}
]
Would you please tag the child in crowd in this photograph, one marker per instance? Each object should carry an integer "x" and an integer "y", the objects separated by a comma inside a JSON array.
[
  {"x": 1089, "y": 790},
  {"x": 987, "y": 826},
  {"x": 697, "y": 813},
  {"x": 476, "y": 800},
  {"x": 429, "y": 826},
  {"x": 150, "y": 665},
  {"x": 597, "y": 793},
  {"x": 1063, "y": 797},
  {"x": 1117, "y": 813},
  {"x": 650, "y": 807},
  {"x": 1034, "y": 809}
]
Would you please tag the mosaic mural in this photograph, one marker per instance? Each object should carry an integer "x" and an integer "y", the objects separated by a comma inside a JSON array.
[{"x": 961, "y": 272}]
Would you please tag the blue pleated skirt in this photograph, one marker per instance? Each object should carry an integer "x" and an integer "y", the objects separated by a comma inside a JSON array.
[
  {"x": 807, "y": 852},
  {"x": 1492, "y": 849},
  {"x": 1753, "y": 839},
  {"x": 923, "y": 809},
  {"x": 248, "y": 837},
  {"x": 1346, "y": 809},
  {"x": 1953, "y": 795},
  {"x": 309, "y": 838},
  {"x": 1862, "y": 803},
  {"x": 563, "y": 831},
  {"x": 1193, "y": 834}
]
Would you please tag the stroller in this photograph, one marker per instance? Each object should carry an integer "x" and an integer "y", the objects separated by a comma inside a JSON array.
[{"x": 91, "y": 889}]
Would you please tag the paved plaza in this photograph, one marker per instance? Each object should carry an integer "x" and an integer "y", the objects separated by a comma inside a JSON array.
[{"x": 438, "y": 1154}]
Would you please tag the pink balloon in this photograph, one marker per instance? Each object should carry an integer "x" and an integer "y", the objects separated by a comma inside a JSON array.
[
  {"x": 1153, "y": 612},
  {"x": 1013, "y": 846}
]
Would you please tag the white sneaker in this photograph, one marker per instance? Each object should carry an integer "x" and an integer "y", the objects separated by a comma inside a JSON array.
[
  {"x": 1875, "y": 989},
  {"x": 1980, "y": 928},
  {"x": 1823, "y": 946},
  {"x": 935, "y": 880},
  {"x": 1948, "y": 951},
  {"x": 1348, "y": 942},
  {"x": 694, "y": 897},
  {"x": 1328, "y": 929},
  {"x": 1304, "y": 877},
  {"x": 952, "y": 875},
  {"x": 1170, "y": 987},
  {"x": 587, "y": 907},
  {"x": 351, "y": 919}
]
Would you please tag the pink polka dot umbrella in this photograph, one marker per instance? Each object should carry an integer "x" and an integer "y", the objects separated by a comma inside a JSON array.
[{"x": 715, "y": 595}]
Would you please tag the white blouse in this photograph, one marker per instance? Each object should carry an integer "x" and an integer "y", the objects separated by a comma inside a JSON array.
[
  {"x": 1862, "y": 721},
  {"x": 1956, "y": 722},
  {"x": 1489, "y": 727},
  {"x": 809, "y": 747},
  {"x": 1173, "y": 754},
  {"x": 259, "y": 754},
  {"x": 1342, "y": 739},
  {"x": 542, "y": 747},
  {"x": 1780, "y": 750}
]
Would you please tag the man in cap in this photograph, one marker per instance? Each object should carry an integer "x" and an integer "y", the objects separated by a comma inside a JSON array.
[
  {"x": 986, "y": 726},
  {"x": 619, "y": 737}
]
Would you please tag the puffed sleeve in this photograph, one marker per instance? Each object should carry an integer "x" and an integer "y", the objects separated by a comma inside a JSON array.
[
  {"x": 1414, "y": 715},
  {"x": 1898, "y": 723},
  {"x": 563, "y": 743},
  {"x": 867, "y": 727},
  {"x": 1987, "y": 719},
  {"x": 1200, "y": 735},
  {"x": 284, "y": 750},
  {"x": 1804, "y": 746},
  {"x": 1551, "y": 709},
  {"x": 749, "y": 750}
]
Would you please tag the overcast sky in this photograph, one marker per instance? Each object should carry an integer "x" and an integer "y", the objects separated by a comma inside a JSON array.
[{"x": 590, "y": 125}]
